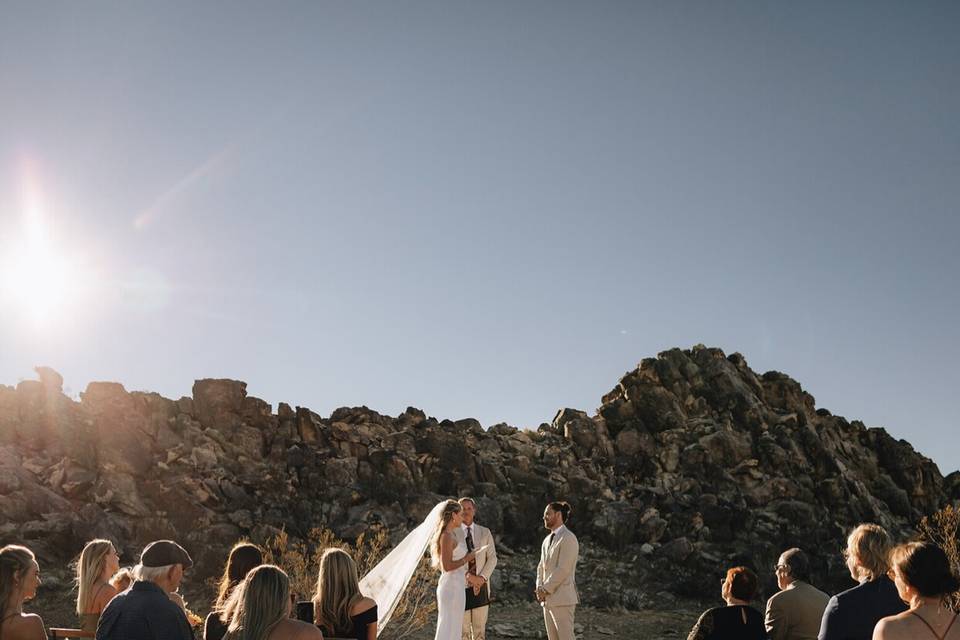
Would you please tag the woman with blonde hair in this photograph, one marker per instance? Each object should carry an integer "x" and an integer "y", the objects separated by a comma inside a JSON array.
[
  {"x": 450, "y": 555},
  {"x": 924, "y": 580},
  {"x": 339, "y": 609},
  {"x": 243, "y": 557},
  {"x": 98, "y": 562},
  {"x": 259, "y": 609},
  {"x": 19, "y": 578}
]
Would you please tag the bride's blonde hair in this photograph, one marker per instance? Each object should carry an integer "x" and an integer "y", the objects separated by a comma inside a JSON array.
[{"x": 450, "y": 508}]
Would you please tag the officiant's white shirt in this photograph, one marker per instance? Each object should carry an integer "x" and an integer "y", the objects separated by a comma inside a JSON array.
[{"x": 486, "y": 559}]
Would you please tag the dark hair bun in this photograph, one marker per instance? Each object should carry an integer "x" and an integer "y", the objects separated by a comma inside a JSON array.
[
  {"x": 925, "y": 567},
  {"x": 743, "y": 583},
  {"x": 950, "y": 584}
]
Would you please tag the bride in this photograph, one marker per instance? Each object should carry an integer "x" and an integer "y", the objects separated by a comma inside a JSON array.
[
  {"x": 387, "y": 581},
  {"x": 451, "y": 589}
]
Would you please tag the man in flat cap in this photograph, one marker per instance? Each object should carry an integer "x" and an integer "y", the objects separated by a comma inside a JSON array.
[{"x": 145, "y": 611}]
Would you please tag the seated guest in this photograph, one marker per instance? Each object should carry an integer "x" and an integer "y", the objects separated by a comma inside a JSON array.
[
  {"x": 738, "y": 620},
  {"x": 98, "y": 561},
  {"x": 19, "y": 577},
  {"x": 192, "y": 618},
  {"x": 259, "y": 609},
  {"x": 122, "y": 579},
  {"x": 794, "y": 612},
  {"x": 922, "y": 575},
  {"x": 243, "y": 557},
  {"x": 339, "y": 609},
  {"x": 853, "y": 614},
  {"x": 145, "y": 611}
]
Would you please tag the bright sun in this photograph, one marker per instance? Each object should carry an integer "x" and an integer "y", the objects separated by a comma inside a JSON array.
[{"x": 35, "y": 277}]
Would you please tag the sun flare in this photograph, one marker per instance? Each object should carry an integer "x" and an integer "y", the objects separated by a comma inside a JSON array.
[{"x": 37, "y": 279}]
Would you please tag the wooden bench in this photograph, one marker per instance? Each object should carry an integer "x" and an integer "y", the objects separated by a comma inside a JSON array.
[{"x": 55, "y": 633}]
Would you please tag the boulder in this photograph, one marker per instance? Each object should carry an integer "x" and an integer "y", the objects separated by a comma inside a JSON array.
[{"x": 218, "y": 403}]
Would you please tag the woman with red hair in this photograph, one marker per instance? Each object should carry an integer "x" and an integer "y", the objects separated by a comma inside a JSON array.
[{"x": 738, "y": 620}]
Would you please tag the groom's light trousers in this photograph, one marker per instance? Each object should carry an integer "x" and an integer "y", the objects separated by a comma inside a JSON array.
[
  {"x": 559, "y": 622},
  {"x": 475, "y": 623}
]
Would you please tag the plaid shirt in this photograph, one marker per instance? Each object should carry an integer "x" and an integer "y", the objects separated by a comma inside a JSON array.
[{"x": 144, "y": 612}]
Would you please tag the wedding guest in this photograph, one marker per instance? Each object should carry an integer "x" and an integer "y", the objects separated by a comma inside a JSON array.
[
  {"x": 259, "y": 609},
  {"x": 853, "y": 614},
  {"x": 556, "y": 573},
  {"x": 19, "y": 578},
  {"x": 122, "y": 579},
  {"x": 338, "y": 607},
  {"x": 145, "y": 611},
  {"x": 794, "y": 612},
  {"x": 477, "y": 536},
  {"x": 243, "y": 557},
  {"x": 98, "y": 561},
  {"x": 922, "y": 575},
  {"x": 737, "y": 620},
  {"x": 192, "y": 618}
]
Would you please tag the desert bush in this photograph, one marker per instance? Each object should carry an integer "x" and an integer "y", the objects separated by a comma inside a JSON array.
[
  {"x": 300, "y": 558},
  {"x": 943, "y": 528}
]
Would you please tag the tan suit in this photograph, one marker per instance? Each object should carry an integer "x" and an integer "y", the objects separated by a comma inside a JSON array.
[
  {"x": 475, "y": 620},
  {"x": 795, "y": 612},
  {"x": 556, "y": 574}
]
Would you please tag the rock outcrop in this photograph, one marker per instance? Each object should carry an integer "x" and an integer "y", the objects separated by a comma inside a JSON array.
[{"x": 691, "y": 463}]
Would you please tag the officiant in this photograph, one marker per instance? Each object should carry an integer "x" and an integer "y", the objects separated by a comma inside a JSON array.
[{"x": 478, "y": 575}]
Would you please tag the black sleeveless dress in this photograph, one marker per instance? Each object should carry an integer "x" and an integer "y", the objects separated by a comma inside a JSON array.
[
  {"x": 737, "y": 622},
  {"x": 360, "y": 622}
]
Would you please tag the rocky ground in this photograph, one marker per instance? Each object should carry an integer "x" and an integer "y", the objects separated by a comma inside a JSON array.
[
  {"x": 693, "y": 462},
  {"x": 525, "y": 621}
]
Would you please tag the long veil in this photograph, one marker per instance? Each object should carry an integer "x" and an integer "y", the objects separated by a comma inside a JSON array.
[{"x": 387, "y": 581}]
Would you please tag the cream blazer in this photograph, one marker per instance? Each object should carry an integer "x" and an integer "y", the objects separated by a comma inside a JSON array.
[
  {"x": 557, "y": 570},
  {"x": 486, "y": 559}
]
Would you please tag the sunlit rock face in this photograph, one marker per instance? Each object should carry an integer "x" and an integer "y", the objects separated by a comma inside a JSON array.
[{"x": 691, "y": 464}]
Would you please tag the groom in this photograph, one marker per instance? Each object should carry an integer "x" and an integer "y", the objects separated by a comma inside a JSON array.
[
  {"x": 478, "y": 575},
  {"x": 556, "y": 574}
]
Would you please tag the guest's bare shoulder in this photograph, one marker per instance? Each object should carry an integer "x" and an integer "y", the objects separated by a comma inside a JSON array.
[
  {"x": 884, "y": 630},
  {"x": 895, "y": 627},
  {"x": 307, "y": 631},
  {"x": 106, "y": 594},
  {"x": 363, "y": 604},
  {"x": 289, "y": 629},
  {"x": 28, "y": 626}
]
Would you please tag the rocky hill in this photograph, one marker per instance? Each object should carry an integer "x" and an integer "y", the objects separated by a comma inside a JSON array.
[{"x": 691, "y": 463}]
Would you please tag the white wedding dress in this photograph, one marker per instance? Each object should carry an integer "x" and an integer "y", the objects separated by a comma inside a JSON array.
[
  {"x": 452, "y": 598},
  {"x": 387, "y": 581}
]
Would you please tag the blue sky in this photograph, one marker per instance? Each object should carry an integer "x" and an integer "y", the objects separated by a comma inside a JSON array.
[{"x": 484, "y": 209}]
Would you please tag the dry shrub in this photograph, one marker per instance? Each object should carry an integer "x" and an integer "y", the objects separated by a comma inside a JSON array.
[
  {"x": 942, "y": 528},
  {"x": 301, "y": 560}
]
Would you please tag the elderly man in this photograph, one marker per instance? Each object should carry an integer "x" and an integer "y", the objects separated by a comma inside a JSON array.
[
  {"x": 794, "y": 612},
  {"x": 145, "y": 611},
  {"x": 481, "y": 568}
]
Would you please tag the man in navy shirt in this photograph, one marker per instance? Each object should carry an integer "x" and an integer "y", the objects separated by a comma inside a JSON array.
[
  {"x": 853, "y": 614},
  {"x": 145, "y": 611}
]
